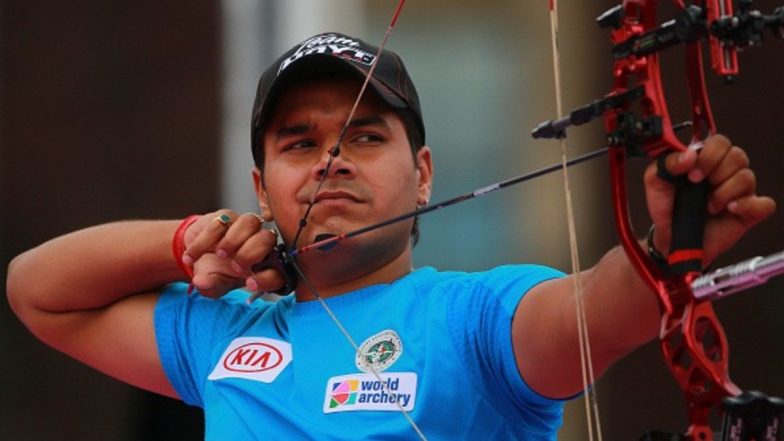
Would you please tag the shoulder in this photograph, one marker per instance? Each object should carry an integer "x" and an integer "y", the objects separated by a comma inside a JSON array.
[
  {"x": 192, "y": 332},
  {"x": 496, "y": 290},
  {"x": 505, "y": 278},
  {"x": 226, "y": 313}
]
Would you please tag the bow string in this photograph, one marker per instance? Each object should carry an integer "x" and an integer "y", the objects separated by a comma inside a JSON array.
[{"x": 593, "y": 422}]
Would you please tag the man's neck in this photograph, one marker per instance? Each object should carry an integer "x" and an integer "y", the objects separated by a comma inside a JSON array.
[{"x": 334, "y": 281}]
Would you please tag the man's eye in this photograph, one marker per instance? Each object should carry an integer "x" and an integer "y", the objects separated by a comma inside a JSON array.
[
  {"x": 368, "y": 138},
  {"x": 299, "y": 145}
]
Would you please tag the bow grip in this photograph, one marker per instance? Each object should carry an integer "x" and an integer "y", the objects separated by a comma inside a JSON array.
[{"x": 688, "y": 222}]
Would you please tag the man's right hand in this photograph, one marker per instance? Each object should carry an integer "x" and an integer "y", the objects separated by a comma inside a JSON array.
[{"x": 222, "y": 254}]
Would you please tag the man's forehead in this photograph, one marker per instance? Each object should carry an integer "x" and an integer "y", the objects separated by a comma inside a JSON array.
[
  {"x": 301, "y": 126},
  {"x": 314, "y": 87},
  {"x": 328, "y": 96}
]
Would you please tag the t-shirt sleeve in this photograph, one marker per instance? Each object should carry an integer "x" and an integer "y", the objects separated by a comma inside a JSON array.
[
  {"x": 186, "y": 329},
  {"x": 480, "y": 320}
]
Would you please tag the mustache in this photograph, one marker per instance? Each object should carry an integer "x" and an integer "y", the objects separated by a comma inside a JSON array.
[{"x": 351, "y": 189}]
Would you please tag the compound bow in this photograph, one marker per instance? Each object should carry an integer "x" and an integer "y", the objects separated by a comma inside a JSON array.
[{"x": 638, "y": 123}]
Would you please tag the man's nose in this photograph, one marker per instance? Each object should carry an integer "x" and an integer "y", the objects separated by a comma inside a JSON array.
[{"x": 335, "y": 164}]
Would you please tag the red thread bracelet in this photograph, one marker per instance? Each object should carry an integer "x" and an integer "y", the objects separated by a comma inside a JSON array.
[{"x": 178, "y": 244}]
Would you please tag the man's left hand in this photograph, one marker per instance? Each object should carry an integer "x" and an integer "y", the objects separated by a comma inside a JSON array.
[{"x": 733, "y": 205}]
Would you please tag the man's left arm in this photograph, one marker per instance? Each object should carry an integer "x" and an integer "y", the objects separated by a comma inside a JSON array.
[{"x": 621, "y": 311}]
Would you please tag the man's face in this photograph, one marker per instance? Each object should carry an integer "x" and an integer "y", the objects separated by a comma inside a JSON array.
[{"x": 374, "y": 178}]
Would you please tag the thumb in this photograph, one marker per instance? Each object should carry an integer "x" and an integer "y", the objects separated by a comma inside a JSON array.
[
  {"x": 676, "y": 164},
  {"x": 214, "y": 285}
]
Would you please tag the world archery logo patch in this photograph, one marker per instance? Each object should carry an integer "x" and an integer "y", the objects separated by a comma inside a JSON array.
[
  {"x": 387, "y": 392},
  {"x": 379, "y": 352},
  {"x": 344, "y": 393}
]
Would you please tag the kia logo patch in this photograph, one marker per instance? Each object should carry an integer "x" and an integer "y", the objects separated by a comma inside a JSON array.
[{"x": 253, "y": 358}]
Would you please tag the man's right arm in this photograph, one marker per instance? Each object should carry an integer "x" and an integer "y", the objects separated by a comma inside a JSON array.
[{"x": 91, "y": 294}]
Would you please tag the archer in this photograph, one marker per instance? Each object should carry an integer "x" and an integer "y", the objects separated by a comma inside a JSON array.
[{"x": 505, "y": 339}]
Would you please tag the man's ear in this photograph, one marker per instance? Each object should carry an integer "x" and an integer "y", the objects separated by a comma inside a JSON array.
[
  {"x": 424, "y": 164},
  {"x": 261, "y": 194}
]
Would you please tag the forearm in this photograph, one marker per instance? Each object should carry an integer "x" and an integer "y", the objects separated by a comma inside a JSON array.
[
  {"x": 621, "y": 313},
  {"x": 94, "y": 267},
  {"x": 621, "y": 310}
]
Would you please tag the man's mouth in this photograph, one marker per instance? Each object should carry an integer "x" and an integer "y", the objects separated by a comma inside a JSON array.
[{"x": 335, "y": 195}]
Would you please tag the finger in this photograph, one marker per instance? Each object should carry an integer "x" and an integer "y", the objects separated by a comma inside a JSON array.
[
  {"x": 752, "y": 209},
  {"x": 741, "y": 183},
  {"x": 735, "y": 159},
  {"x": 268, "y": 280},
  {"x": 255, "y": 249},
  {"x": 728, "y": 227},
  {"x": 713, "y": 153},
  {"x": 211, "y": 234},
  {"x": 241, "y": 229}
]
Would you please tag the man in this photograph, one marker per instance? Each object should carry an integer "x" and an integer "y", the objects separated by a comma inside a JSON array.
[{"x": 465, "y": 356}]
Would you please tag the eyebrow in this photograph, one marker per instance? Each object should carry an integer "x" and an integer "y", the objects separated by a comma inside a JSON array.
[
  {"x": 293, "y": 130},
  {"x": 298, "y": 129},
  {"x": 373, "y": 120}
]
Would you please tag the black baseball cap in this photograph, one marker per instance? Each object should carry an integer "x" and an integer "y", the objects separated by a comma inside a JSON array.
[{"x": 337, "y": 53}]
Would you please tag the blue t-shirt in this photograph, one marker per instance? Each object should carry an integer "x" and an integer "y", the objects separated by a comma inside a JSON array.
[{"x": 440, "y": 343}]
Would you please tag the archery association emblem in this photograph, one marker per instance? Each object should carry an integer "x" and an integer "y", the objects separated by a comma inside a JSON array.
[{"x": 379, "y": 351}]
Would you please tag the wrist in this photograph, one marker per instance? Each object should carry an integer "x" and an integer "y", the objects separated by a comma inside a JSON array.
[
  {"x": 653, "y": 252},
  {"x": 178, "y": 244}
]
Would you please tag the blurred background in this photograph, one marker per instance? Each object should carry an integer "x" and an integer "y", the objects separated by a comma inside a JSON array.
[{"x": 121, "y": 110}]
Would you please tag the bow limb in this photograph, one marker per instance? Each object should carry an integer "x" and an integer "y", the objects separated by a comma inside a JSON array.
[{"x": 693, "y": 342}]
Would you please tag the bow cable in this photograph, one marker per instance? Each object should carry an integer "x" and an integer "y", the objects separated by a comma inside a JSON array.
[{"x": 586, "y": 362}]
